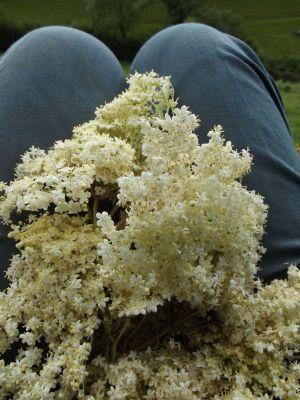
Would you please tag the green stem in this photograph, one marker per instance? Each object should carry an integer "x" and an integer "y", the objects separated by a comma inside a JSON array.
[
  {"x": 107, "y": 329},
  {"x": 133, "y": 332},
  {"x": 115, "y": 209},
  {"x": 115, "y": 343},
  {"x": 295, "y": 357},
  {"x": 95, "y": 209},
  {"x": 166, "y": 331}
]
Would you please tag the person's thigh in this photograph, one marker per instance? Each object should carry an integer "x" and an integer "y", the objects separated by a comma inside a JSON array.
[
  {"x": 223, "y": 81},
  {"x": 51, "y": 80}
]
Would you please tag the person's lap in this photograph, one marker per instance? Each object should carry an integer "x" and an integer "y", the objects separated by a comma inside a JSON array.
[{"x": 53, "y": 78}]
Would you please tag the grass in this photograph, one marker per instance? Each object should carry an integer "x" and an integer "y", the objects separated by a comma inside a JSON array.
[
  {"x": 291, "y": 98},
  {"x": 36, "y": 12},
  {"x": 126, "y": 67},
  {"x": 271, "y": 23}
]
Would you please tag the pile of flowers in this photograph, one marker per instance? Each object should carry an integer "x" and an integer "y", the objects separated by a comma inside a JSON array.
[{"x": 135, "y": 276}]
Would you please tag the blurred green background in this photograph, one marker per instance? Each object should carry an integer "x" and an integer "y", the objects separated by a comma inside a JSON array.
[{"x": 271, "y": 27}]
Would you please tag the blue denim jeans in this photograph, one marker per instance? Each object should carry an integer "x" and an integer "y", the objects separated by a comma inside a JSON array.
[{"x": 54, "y": 77}]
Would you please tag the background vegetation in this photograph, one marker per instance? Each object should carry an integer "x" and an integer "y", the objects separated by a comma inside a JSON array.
[
  {"x": 272, "y": 27},
  {"x": 291, "y": 97}
]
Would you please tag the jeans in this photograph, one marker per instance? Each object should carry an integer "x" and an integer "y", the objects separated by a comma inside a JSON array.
[{"x": 54, "y": 77}]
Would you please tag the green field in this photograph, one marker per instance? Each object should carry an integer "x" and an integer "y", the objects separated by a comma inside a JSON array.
[
  {"x": 291, "y": 97},
  {"x": 271, "y": 23},
  {"x": 36, "y": 12}
]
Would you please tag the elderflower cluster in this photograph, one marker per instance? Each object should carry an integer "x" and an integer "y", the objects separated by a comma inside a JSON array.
[
  {"x": 135, "y": 276},
  {"x": 191, "y": 229},
  {"x": 63, "y": 176},
  {"x": 243, "y": 356}
]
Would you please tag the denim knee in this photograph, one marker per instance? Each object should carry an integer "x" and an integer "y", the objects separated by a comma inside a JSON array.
[
  {"x": 53, "y": 78},
  {"x": 43, "y": 39},
  {"x": 194, "y": 42},
  {"x": 59, "y": 45}
]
